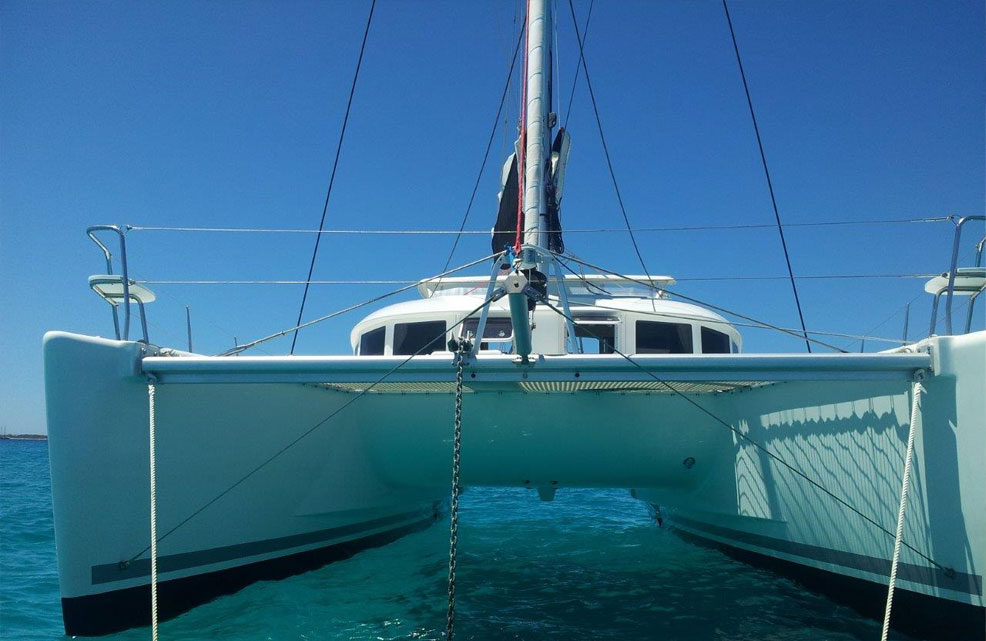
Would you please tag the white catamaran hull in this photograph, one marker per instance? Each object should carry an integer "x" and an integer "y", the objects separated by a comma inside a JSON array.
[{"x": 267, "y": 466}]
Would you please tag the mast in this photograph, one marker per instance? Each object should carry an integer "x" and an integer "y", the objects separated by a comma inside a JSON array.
[{"x": 537, "y": 125}]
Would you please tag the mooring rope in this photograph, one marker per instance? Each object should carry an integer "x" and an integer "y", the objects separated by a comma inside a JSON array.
[
  {"x": 916, "y": 391},
  {"x": 460, "y": 359},
  {"x": 153, "y": 466}
]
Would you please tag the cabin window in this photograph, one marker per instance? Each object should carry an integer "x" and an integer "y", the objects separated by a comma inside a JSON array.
[
  {"x": 498, "y": 333},
  {"x": 595, "y": 337},
  {"x": 371, "y": 343},
  {"x": 663, "y": 338},
  {"x": 499, "y": 329},
  {"x": 419, "y": 338},
  {"x": 714, "y": 342}
]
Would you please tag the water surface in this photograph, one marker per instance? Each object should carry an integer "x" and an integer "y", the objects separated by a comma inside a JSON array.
[{"x": 590, "y": 565}]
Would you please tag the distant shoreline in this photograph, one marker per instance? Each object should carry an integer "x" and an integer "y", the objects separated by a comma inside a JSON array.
[{"x": 23, "y": 437}]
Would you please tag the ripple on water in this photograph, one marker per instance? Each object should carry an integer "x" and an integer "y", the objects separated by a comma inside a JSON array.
[{"x": 589, "y": 565}]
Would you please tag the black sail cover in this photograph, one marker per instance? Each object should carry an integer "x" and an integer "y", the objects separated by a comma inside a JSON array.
[
  {"x": 505, "y": 230},
  {"x": 553, "y": 192}
]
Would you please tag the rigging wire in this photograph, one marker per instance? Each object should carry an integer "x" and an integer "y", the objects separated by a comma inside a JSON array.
[
  {"x": 739, "y": 433},
  {"x": 601, "y": 290},
  {"x": 904, "y": 307},
  {"x": 407, "y": 282},
  {"x": 201, "y": 317},
  {"x": 310, "y": 430},
  {"x": 246, "y": 346},
  {"x": 770, "y": 186},
  {"x": 486, "y": 155},
  {"x": 522, "y": 139},
  {"x": 556, "y": 78},
  {"x": 650, "y": 285},
  {"x": 602, "y": 137},
  {"x": 426, "y": 232},
  {"x": 335, "y": 166},
  {"x": 505, "y": 135},
  {"x": 578, "y": 67}
]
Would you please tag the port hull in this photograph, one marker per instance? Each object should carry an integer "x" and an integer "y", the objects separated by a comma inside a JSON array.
[{"x": 110, "y": 612}]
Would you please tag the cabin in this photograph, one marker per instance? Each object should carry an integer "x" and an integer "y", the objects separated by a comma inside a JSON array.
[{"x": 610, "y": 314}]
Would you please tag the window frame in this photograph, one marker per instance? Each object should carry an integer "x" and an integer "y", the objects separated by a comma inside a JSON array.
[
  {"x": 383, "y": 348},
  {"x": 688, "y": 337},
  {"x": 440, "y": 342},
  {"x": 722, "y": 336}
]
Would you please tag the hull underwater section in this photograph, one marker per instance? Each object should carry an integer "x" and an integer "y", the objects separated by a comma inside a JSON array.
[{"x": 267, "y": 460}]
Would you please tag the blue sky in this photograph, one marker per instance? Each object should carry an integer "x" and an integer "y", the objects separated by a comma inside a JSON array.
[{"x": 227, "y": 114}]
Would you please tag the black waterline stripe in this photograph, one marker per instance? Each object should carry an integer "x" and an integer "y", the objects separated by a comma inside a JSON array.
[
  {"x": 925, "y": 575},
  {"x": 109, "y": 572},
  {"x": 120, "y": 609}
]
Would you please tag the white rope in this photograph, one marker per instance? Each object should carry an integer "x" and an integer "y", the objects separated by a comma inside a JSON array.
[
  {"x": 916, "y": 391},
  {"x": 153, "y": 465}
]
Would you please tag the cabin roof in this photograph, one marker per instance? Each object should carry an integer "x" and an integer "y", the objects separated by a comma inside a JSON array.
[{"x": 414, "y": 309}]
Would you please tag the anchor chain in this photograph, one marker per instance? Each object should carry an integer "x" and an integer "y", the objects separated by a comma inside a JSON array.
[{"x": 462, "y": 349}]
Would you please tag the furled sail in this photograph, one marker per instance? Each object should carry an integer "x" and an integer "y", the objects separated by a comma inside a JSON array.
[
  {"x": 559, "y": 160},
  {"x": 505, "y": 230}
]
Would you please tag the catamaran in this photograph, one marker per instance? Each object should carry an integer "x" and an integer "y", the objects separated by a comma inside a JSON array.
[{"x": 178, "y": 477}]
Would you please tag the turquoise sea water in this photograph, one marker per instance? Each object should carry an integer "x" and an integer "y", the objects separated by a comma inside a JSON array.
[{"x": 590, "y": 565}]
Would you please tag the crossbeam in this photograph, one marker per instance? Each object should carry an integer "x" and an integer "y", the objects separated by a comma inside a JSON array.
[{"x": 496, "y": 368}]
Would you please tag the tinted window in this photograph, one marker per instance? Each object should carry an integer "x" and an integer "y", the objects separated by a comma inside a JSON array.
[
  {"x": 663, "y": 338},
  {"x": 596, "y": 338},
  {"x": 419, "y": 338},
  {"x": 714, "y": 342},
  {"x": 497, "y": 329},
  {"x": 371, "y": 343}
]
